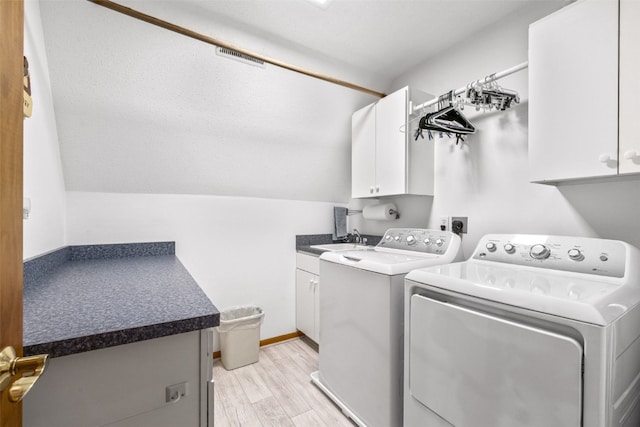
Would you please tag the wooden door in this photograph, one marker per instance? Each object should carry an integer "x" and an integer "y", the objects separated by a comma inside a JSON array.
[{"x": 11, "y": 101}]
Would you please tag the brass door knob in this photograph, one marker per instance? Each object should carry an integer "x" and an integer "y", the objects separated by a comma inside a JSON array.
[{"x": 20, "y": 372}]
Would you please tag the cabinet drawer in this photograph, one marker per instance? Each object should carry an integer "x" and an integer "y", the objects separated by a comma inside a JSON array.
[{"x": 308, "y": 263}]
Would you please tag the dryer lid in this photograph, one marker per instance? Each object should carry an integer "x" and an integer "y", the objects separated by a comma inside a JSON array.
[{"x": 574, "y": 296}]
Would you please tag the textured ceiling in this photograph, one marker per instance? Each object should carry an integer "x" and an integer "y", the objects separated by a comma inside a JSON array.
[{"x": 384, "y": 36}]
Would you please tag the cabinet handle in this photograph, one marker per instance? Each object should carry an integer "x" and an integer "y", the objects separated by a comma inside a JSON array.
[
  {"x": 630, "y": 155},
  {"x": 377, "y": 189},
  {"x": 604, "y": 158},
  {"x": 371, "y": 190}
]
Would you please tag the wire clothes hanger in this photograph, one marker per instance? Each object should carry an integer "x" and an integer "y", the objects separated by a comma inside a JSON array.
[
  {"x": 447, "y": 120},
  {"x": 483, "y": 94},
  {"x": 490, "y": 95}
]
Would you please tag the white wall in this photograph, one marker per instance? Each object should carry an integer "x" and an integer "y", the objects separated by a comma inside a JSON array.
[
  {"x": 150, "y": 113},
  {"x": 414, "y": 212},
  {"x": 143, "y": 110},
  {"x": 43, "y": 179},
  {"x": 239, "y": 250},
  {"x": 486, "y": 178}
]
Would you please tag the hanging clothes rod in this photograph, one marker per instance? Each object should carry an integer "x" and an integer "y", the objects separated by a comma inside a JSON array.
[
  {"x": 490, "y": 78},
  {"x": 210, "y": 40}
]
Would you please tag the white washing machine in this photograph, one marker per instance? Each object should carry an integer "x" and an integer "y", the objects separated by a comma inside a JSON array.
[
  {"x": 361, "y": 321},
  {"x": 531, "y": 331}
]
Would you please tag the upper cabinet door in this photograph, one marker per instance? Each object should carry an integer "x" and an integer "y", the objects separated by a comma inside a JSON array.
[
  {"x": 629, "y": 85},
  {"x": 363, "y": 152},
  {"x": 573, "y": 92},
  {"x": 391, "y": 143}
]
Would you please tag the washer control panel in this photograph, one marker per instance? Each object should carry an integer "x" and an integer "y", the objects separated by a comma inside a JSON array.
[
  {"x": 577, "y": 254},
  {"x": 417, "y": 240}
]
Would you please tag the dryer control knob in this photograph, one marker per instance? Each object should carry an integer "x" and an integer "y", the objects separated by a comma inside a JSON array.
[
  {"x": 411, "y": 240},
  {"x": 539, "y": 252},
  {"x": 575, "y": 254},
  {"x": 439, "y": 242},
  {"x": 509, "y": 248},
  {"x": 388, "y": 237},
  {"x": 397, "y": 239},
  {"x": 491, "y": 247},
  {"x": 427, "y": 241}
]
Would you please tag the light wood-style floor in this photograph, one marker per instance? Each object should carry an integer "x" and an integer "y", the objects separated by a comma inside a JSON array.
[{"x": 276, "y": 391}]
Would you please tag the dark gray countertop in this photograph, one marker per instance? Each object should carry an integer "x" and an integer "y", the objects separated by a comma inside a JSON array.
[{"x": 84, "y": 298}]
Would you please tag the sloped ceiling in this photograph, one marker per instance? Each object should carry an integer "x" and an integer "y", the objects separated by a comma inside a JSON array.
[{"x": 143, "y": 110}]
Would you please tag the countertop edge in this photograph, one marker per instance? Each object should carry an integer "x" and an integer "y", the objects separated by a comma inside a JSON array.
[{"x": 120, "y": 337}]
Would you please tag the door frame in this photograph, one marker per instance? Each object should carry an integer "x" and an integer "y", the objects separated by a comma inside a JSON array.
[{"x": 11, "y": 190}]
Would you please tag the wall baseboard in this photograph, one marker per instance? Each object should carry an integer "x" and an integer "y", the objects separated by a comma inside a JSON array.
[{"x": 272, "y": 340}]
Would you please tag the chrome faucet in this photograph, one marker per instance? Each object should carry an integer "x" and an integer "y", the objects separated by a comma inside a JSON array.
[{"x": 358, "y": 237}]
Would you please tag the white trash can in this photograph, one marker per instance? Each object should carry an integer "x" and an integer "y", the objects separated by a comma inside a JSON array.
[{"x": 239, "y": 332}]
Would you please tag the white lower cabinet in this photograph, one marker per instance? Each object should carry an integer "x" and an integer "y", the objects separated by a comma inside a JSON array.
[
  {"x": 124, "y": 386},
  {"x": 307, "y": 295}
]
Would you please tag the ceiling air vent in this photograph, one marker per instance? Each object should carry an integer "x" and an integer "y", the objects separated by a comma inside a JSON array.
[{"x": 229, "y": 53}]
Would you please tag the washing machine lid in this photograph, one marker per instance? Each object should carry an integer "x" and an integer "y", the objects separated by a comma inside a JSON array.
[
  {"x": 574, "y": 296},
  {"x": 384, "y": 261},
  {"x": 402, "y": 250}
]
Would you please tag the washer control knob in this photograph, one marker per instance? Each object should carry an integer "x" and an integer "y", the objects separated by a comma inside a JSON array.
[
  {"x": 509, "y": 248},
  {"x": 539, "y": 252},
  {"x": 397, "y": 239},
  {"x": 411, "y": 240},
  {"x": 491, "y": 247},
  {"x": 439, "y": 242},
  {"x": 575, "y": 254},
  {"x": 388, "y": 237},
  {"x": 428, "y": 241}
]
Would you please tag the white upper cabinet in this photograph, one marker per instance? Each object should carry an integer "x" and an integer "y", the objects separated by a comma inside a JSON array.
[
  {"x": 573, "y": 92},
  {"x": 363, "y": 151},
  {"x": 629, "y": 86},
  {"x": 385, "y": 159}
]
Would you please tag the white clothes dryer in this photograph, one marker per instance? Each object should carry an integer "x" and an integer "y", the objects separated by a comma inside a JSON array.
[
  {"x": 531, "y": 331},
  {"x": 361, "y": 321}
]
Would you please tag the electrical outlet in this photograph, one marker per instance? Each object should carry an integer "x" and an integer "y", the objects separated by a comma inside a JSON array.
[
  {"x": 176, "y": 391},
  {"x": 459, "y": 224},
  {"x": 444, "y": 223}
]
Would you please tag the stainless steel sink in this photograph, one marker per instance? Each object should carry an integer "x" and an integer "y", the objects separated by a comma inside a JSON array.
[{"x": 342, "y": 247}]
